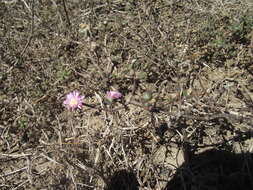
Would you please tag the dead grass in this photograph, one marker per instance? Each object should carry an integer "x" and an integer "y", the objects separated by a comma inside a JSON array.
[{"x": 193, "y": 57}]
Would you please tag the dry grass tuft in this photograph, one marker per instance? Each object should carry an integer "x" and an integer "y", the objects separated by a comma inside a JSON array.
[{"x": 184, "y": 69}]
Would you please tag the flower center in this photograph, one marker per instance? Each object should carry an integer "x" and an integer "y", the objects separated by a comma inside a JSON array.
[{"x": 73, "y": 102}]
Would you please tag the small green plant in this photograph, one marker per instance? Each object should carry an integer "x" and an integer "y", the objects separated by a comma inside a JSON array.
[
  {"x": 63, "y": 74},
  {"x": 22, "y": 123},
  {"x": 241, "y": 27}
]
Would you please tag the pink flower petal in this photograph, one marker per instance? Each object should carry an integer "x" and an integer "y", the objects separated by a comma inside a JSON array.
[
  {"x": 73, "y": 101},
  {"x": 113, "y": 95}
]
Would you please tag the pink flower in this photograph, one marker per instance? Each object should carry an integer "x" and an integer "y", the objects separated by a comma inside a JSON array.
[
  {"x": 113, "y": 95},
  {"x": 73, "y": 100}
]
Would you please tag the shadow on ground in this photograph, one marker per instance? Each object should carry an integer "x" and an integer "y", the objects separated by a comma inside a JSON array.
[
  {"x": 214, "y": 170},
  {"x": 123, "y": 180}
]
